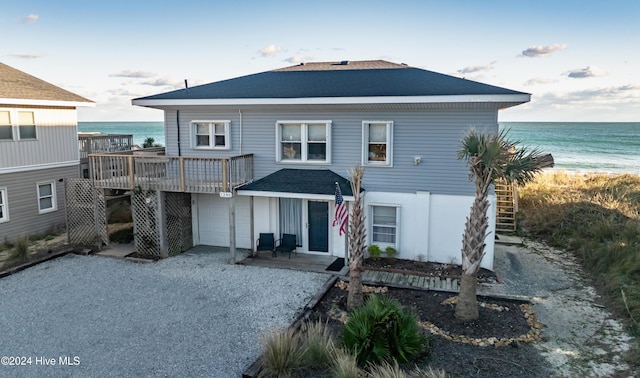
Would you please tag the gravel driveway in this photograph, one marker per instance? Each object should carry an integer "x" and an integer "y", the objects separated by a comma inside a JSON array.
[{"x": 191, "y": 315}]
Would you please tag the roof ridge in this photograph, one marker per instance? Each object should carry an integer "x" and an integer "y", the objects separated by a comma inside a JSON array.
[{"x": 343, "y": 65}]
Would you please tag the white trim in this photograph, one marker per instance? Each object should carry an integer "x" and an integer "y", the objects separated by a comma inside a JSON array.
[
  {"x": 396, "y": 245},
  {"x": 311, "y": 196},
  {"x": 18, "y": 101},
  {"x": 54, "y": 199},
  {"x": 365, "y": 145},
  {"x": 521, "y": 98},
  {"x": 26, "y": 168},
  {"x": 5, "y": 204},
  {"x": 304, "y": 141},
  {"x": 212, "y": 129}
]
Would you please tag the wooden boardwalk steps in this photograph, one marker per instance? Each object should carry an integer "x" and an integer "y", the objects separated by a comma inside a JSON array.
[{"x": 377, "y": 277}]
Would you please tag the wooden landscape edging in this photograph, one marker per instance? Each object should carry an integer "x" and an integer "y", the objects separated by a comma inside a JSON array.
[{"x": 29, "y": 264}]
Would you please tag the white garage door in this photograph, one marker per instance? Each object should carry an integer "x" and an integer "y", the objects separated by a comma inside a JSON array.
[{"x": 213, "y": 221}]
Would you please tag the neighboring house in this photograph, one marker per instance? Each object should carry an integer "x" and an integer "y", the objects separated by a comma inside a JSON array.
[
  {"x": 38, "y": 150},
  {"x": 305, "y": 126}
]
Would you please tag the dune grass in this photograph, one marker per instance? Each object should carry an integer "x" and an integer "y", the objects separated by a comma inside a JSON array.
[{"x": 595, "y": 216}]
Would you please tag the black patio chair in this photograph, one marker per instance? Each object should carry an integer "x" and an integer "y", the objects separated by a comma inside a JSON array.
[
  {"x": 266, "y": 243},
  {"x": 287, "y": 244}
]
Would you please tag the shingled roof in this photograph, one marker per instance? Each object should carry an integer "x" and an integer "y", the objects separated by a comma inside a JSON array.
[
  {"x": 301, "y": 181},
  {"x": 17, "y": 87},
  {"x": 325, "y": 82}
]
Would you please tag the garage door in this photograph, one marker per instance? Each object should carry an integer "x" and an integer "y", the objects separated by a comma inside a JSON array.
[{"x": 213, "y": 221}]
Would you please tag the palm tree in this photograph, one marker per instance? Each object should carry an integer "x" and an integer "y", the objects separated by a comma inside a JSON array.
[
  {"x": 357, "y": 242},
  {"x": 490, "y": 157}
]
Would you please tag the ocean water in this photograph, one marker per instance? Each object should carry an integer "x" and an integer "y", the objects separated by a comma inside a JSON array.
[
  {"x": 575, "y": 146},
  {"x": 583, "y": 146}
]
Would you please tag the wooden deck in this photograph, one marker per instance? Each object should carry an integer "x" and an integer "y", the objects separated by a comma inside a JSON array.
[{"x": 299, "y": 261}]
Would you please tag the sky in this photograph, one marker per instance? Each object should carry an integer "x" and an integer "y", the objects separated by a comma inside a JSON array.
[{"x": 580, "y": 60}]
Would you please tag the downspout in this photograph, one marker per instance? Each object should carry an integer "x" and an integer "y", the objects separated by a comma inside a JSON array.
[
  {"x": 178, "y": 129},
  {"x": 240, "y": 112}
]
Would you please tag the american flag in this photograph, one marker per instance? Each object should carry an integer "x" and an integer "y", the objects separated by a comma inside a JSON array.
[{"x": 341, "y": 215}]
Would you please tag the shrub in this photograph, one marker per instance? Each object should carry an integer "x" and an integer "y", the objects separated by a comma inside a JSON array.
[
  {"x": 319, "y": 345},
  {"x": 20, "y": 251},
  {"x": 391, "y": 252},
  {"x": 382, "y": 330},
  {"x": 282, "y": 353},
  {"x": 374, "y": 251},
  {"x": 122, "y": 236}
]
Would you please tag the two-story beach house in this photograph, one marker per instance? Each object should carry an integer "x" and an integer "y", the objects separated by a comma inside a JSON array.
[
  {"x": 38, "y": 150},
  {"x": 284, "y": 138}
]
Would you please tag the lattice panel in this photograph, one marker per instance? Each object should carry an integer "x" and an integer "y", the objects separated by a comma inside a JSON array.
[
  {"x": 86, "y": 213},
  {"x": 178, "y": 222},
  {"x": 144, "y": 207}
]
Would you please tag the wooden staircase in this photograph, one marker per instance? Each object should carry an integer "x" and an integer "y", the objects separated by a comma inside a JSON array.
[{"x": 506, "y": 207}]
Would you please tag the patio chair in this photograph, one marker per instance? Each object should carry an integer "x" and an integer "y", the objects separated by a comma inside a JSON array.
[
  {"x": 266, "y": 243},
  {"x": 287, "y": 244}
]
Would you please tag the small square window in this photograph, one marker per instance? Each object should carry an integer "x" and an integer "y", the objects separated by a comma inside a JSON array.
[
  {"x": 26, "y": 125},
  {"x": 4, "y": 210},
  {"x": 384, "y": 225},
  {"x": 46, "y": 197},
  {"x": 211, "y": 134},
  {"x": 6, "y": 130}
]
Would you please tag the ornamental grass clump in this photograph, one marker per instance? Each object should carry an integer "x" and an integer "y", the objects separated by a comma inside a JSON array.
[
  {"x": 382, "y": 330},
  {"x": 393, "y": 370},
  {"x": 319, "y": 345},
  {"x": 282, "y": 353},
  {"x": 20, "y": 251}
]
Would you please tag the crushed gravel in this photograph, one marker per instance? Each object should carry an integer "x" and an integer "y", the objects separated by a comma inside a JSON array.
[{"x": 191, "y": 315}]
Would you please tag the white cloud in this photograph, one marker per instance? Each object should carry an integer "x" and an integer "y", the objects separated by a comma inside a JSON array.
[
  {"x": 585, "y": 72},
  {"x": 539, "y": 81},
  {"x": 26, "y": 55},
  {"x": 537, "y": 51},
  {"x": 165, "y": 82},
  {"x": 473, "y": 69},
  {"x": 133, "y": 74},
  {"x": 30, "y": 19},
  {"x": 298, "y": 58},
  {"x": 270, "y": 50},
  {"x": 615, "y": 97}
]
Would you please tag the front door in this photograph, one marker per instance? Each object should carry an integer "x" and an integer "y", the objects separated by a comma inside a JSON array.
[{"x": 318, "y": 226}]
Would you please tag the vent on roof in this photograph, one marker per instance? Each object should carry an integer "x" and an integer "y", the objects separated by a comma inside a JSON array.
[{"x": 344, "y": 62}]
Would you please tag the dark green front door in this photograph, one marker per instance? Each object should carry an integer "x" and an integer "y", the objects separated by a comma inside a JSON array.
[{"x": 318, "y": 226}]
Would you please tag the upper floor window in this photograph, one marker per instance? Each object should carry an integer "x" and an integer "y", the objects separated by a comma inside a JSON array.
[
  {"x": 26, "y": 125},
  {"x": 377, "y": 143},
  {"x": 46, "y": 197},
  {"x": 211, "y": 134},
  {"x": 4, "y": 210},
  {"x": 303, "y": 141},
  {"x": 384, "y": 228},
  {"x": 6, "y": 131}
]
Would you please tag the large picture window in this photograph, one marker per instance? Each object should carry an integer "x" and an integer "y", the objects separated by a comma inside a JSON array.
[
  {"x": 384, "y": 228},
  {"x": 304, "y": 141},
  {"x": 4, "y": 210},
  {"x": 6, "y": 131},
  {"x": 211, "y": 134},
  {"x": 377, "y": 143},
  {"x": 46, "y": 197},
  {"x": 26, "y": 125}
]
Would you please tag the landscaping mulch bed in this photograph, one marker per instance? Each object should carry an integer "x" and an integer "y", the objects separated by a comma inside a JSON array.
[{"x": 515, "y": 358}]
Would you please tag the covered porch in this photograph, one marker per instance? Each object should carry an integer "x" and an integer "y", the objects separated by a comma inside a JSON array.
[{"x": 300, "y": 261}]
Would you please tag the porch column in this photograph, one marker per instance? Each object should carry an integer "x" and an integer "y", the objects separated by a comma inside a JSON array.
[
  {"x": 161, "y": 221},
  {"x": 232, "y": 227}
]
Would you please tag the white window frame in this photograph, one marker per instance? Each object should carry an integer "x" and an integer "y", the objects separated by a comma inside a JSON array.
[
  {"x": 388, "y": 162},
  {"x": 35, "y": 127},
  {"x": 397, "y": 225},
  {"x": 212, "y": 135},
  {"x": 4, "y": 205},
  {"x": 54, "y": 201},
  {"x": 11, "y": 128},
  {"x": 304, "y": 136}
]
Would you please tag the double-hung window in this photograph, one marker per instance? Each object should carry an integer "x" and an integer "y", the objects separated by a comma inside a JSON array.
[
  {"x": 384, "y": 230},
  {"x": 303, "y": 141},
  {"x": 26, "y": 125},
  {"x": 377, "y": 143},
  {"x": 6, "y": 130},
  {"x": 211, "y": 134},
  {"x": 46, "y": 197},
  {"x": 4, "y": 210}
]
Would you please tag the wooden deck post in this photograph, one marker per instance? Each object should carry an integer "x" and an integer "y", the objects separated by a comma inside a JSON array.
[
  {"x": 224, "y": 175},
  {"x": 181, "y": 174},
  {"x": 131, "y": 184},
  {"x": 232, "y": 228}
]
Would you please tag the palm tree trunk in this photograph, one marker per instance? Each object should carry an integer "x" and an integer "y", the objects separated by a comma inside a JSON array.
[
  {"x": 357, "y": 243},
  {"x": 467, "y": 306}
]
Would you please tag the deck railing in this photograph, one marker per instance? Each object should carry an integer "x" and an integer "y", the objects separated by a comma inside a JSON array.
[
  {"x": 103, "y": 143},
  {"x": 169, "y": 173}
]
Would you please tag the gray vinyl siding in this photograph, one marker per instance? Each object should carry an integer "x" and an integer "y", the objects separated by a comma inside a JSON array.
[
  {"x": 22, "y": 202},
  {"x": 433, "y": 135},
  {"x": 57, "y": 140}
]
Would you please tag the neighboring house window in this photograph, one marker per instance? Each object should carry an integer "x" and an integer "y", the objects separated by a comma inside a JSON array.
[
  {"x": 303, "y": 141},
  {"x": 377, "y": 143},
  {"x": 46, "y": 197},
  {"x": 211, "y": 134},
  {"x": 4, "y": 210},
  {"x": 384, "y": 228},
  {"x": 26, "y": 125},
  {"x": 6, "y": 131}
]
